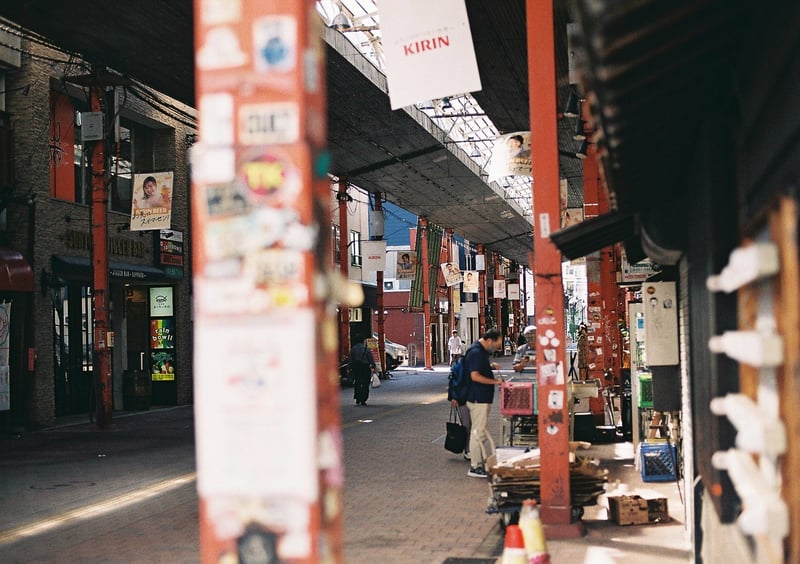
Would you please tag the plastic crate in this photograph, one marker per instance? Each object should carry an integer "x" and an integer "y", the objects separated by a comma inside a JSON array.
[
  {"x": 518, "y": 398},
  {"x": 645, "y": 390},
  {"x": 658, "y": 462}
]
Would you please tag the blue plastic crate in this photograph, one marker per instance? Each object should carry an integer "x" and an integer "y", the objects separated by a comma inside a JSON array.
[{"x": 658, "y": 461}]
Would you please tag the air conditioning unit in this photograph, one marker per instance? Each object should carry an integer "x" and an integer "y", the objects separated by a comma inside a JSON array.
[{"x": 388, "y": 286}]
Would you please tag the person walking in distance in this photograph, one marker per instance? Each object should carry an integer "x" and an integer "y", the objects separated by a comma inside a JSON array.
[
  {"x": 362, "y": 365},
  {"x": 480, "y": 397},
  {"x": 454, "y": 346}
]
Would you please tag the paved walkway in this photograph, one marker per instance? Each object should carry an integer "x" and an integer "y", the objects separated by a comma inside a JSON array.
[{"x": 75, "y": 494}]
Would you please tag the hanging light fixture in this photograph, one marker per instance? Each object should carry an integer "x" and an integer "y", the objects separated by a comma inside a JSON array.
[{"x": 340, "y": 21}]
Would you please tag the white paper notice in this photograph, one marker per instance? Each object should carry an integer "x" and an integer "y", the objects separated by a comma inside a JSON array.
[
  {"x": 256, "y": 408},
  {"x": 428, "y": 49}
]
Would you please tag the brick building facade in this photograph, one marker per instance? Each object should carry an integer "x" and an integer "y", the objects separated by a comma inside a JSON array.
[{"x": 46, "y": 218}]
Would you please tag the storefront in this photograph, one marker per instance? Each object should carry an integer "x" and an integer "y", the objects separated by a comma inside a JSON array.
[
  {"x": 143, "y": 320},
  {"x": 16, "y": 355}
]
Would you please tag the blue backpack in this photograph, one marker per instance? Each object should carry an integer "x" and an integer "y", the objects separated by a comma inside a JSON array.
[{"x": 459, "y": 382}]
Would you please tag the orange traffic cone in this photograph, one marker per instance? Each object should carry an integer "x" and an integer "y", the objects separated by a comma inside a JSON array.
[
  {"x": 514, "y": 547},
  {"x": 533, "y": 533}
]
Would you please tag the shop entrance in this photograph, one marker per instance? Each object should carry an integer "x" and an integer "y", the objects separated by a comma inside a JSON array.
[
  {"x": 148, "y": 348},
  {"x": 73, "y": 348}
]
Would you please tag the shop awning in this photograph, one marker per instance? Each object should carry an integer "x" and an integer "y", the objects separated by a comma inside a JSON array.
[
  {"x": 15, "y": 272},
  {"x": 75, "y": 268},
  {"x": 594, "y": 234}
]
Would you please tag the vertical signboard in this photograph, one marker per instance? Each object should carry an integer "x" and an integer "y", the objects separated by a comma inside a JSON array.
[{"x": 269, "y": 469}]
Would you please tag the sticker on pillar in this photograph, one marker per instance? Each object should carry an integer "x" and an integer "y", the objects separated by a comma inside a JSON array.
[
  {"x": 212, "y": 165},
  {"x": 544, "y": 225},
  {"x": 555, "y": 399},
  {"x": 548, "y": 374},
  {"x": 220, "y": 49},
  {"x": 275, "y": 51},
  {"x": 217, "y": 124},
  {"x": 220, "y": 11},
  {"x": 550, "y": 355},
  {"x": 272, "y": 178},
  {"x": 280, "y": 274},
  {"x": 226, "y": 199},
  {"x": 269, "y": 124},
  {"x": 226, "y": 239},
  {"x": 552, "y": 429}
]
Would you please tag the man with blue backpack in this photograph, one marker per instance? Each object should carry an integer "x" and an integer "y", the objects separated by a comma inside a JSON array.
[{"x": 479, "y": 397}]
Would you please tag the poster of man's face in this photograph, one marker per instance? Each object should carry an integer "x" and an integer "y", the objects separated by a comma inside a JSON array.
[
  {"x": 406, "y": 265},
  {"x": 452, "y": 274},
  {"x": 471, "y": 281}
]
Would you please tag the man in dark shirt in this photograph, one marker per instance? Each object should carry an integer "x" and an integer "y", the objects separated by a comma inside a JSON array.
[{"x": 480, "y": 398}]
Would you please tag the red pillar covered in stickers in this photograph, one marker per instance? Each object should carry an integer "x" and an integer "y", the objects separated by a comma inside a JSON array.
[
  {"x": 603, "y": 310},
  {"x": 262, "y": 121},
  {"x": 556, "y": 502}
]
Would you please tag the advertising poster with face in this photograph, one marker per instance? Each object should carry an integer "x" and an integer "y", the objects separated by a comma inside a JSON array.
[
  {"x": 452, "y": 274},
  {"x": 511, "y": 155},
  {"x": 471, "y": 282},
  {"x": 406, "y": 265},
  {"x": 151, "y": 206}
]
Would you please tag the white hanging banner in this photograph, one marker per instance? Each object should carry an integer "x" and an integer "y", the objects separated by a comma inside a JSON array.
[
  {"x": 513, "y": 292},
  {"x": 423, "y": 42},
  {"x": 373, "y": 256},
  {"x": 499, "y": 287}
]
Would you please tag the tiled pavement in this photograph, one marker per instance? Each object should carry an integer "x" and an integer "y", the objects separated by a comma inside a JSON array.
[{"x": 407, "y": 500}]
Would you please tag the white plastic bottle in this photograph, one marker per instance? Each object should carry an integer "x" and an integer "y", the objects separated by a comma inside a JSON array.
[{"x": 532, "y": 531}]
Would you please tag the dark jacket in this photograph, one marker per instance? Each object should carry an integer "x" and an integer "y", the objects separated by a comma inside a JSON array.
[
  {"x": 360, "y": 356},
  {"x": 478, "y": 359}
]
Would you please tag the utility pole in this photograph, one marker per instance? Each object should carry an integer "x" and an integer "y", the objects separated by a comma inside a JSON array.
[{"x": 101, "y": 361}]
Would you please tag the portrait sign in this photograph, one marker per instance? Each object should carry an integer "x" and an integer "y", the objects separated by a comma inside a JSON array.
[
  {"x": 452, "y": 274},
  {"x": 151, "y": 205},
  {"x": 471, "y": 281}
]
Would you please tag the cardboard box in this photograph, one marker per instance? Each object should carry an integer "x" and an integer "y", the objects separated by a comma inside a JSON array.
[{"x": 636, "y": 510}]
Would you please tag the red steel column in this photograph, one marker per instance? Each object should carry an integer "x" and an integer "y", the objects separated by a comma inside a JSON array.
[
  {"x": 342, "y": 198},
  {"x": 498, "y": 302},
  {"x": 603, "y": 305},
  {"x": 482, "y": 293},
  {"x": 523, "y": 297},
  {"x": 451, "y": 290},
  {"x": 102, "y": 361},
  {"x": 269, "y": 442},
  {"x": 426, "y": 294},
  {"x": 379, "y": 299},
  {"x": 556, "y": 507}
]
